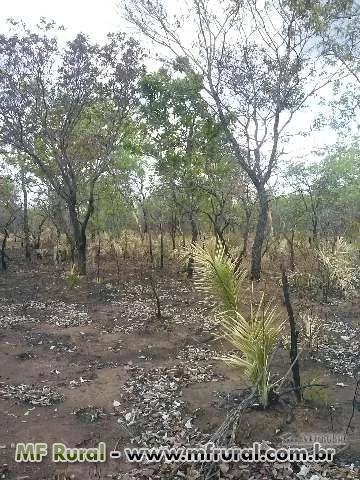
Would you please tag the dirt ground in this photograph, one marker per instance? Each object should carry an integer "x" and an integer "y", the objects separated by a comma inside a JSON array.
[{"x": 94, "y": 363}]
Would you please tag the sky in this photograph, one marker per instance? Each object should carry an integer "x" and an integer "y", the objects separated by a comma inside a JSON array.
[
  {"x": 97, "y": 17},
  {"x": 94, "y": 17}
]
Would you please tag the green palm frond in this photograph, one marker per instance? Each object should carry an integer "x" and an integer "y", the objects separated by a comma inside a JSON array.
[
  {"x": 218, "y": 276},
  {"x": 255, "y": 338}
]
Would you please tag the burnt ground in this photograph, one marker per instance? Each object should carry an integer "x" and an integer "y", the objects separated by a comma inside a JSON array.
[{"x": 94, "y": 363}]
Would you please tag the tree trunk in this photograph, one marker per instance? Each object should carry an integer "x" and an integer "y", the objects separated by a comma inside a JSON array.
[
  {"x": 260, "y": 234},
  {"x": 80, "y": 255},
  {"x": 39, "y": 232},
  {"x": 151, "y": 253},
  {"x": 79, "y": 228},
  {"x": 156, "y": 296},
  {"x": 161, "y": 247},
  {"x": 125, "y": 249},
  {"x": 3, "y": 253},
  {"x": 79, "y": 241},
  {"x": 25, "y": 216},
  {"x": 294, "y": 334},
  {"x": 314, "y": 228},
  {"x": 292, "y": 250},
  {"x": 194, "y": 238},
  {"x": 173, "y": 239},
  {"x": 98, "y": 256},
  {"x": 246, "y": 236},
  {"x": 219, "y": 235}
]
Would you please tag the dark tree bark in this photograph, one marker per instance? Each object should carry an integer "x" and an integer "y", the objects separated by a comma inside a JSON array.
[
  {"x": 37, "y": 242},
  {"x": 151, "y": 253},
  {"x": 161, "y": 247},
  {"x": 98, "y": 257},
  {"x": 80, "y": 254},
  {"x": 194, "y": 239},
  {"x": 125, "y": 249},
  {"x": 3, "y": 250},
  {"x": 26, "y": 228},
  {"x": 172, "y": 231},
  {"x": 260, "y": 235},
  {"x": 79, "y": 240},
  {"x": 290, "y": 242},
  {"x": 314, "y": 228},
  {"x": 219, "y": 234},
  {"x": 294, "y": 334},
  {"x": 156, "y": 296}
]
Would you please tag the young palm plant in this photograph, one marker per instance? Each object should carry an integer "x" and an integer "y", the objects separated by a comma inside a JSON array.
[
  {"x": 217, "y": 275},
  {"x": 254, "y": 335}
]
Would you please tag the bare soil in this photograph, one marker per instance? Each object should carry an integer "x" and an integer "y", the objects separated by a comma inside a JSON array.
[{"x": 92, "y": 346}]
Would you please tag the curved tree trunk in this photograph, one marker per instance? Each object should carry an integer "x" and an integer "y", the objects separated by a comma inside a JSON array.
[{"x": 260, "y": 234}]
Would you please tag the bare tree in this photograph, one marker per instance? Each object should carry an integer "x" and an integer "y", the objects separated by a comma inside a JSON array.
[
  {"x": 65, "y": 109},
  {"x": 260, "y": 64}
]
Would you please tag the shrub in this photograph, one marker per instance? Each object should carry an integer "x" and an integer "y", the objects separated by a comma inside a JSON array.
[
  {"x": 315, "y": 394},
  {"x": 312, "y": 329},
  {"x": 217, "y": 276},
  {"x": 253, "y": 335},
  {"x": 304, "y": 284},
  {"x": 255, "y": 338},
  {"x": 72, "y": 278},
  {"x": 336, "y": 269}
]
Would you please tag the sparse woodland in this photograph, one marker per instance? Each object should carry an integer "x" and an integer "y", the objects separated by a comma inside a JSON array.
[{"x": 171, "y": 274}]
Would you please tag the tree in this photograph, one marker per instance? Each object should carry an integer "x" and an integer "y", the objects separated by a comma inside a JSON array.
[
  {"x": 187, "y": 143},
  {"x": 66, "y": 110},
  {"x": 290, "y": 220},
  {"x": 26, "y": 229},
  {"x": 9, "y": 209},
  {"x": 339, "y": 187},
  {"x": 305, "y": 180},
  {"x": 329, "y": 193},
  {"x": 256, "y": 63}
]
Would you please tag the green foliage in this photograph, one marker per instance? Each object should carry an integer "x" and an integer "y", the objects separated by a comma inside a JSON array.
[
  {"x": 305, "y": 283},
  {"x": 315, "y": 394},
  {"x": 9, "y": 200},
  {"x": 312, "y": 329},
  {"x": 72, "y": 278},
  {"x": 320, "y": 14},
  {"x": 336, "y": 268},
  {"x": 253, "y": 335},
  {"x": 218, "y": 276}
]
